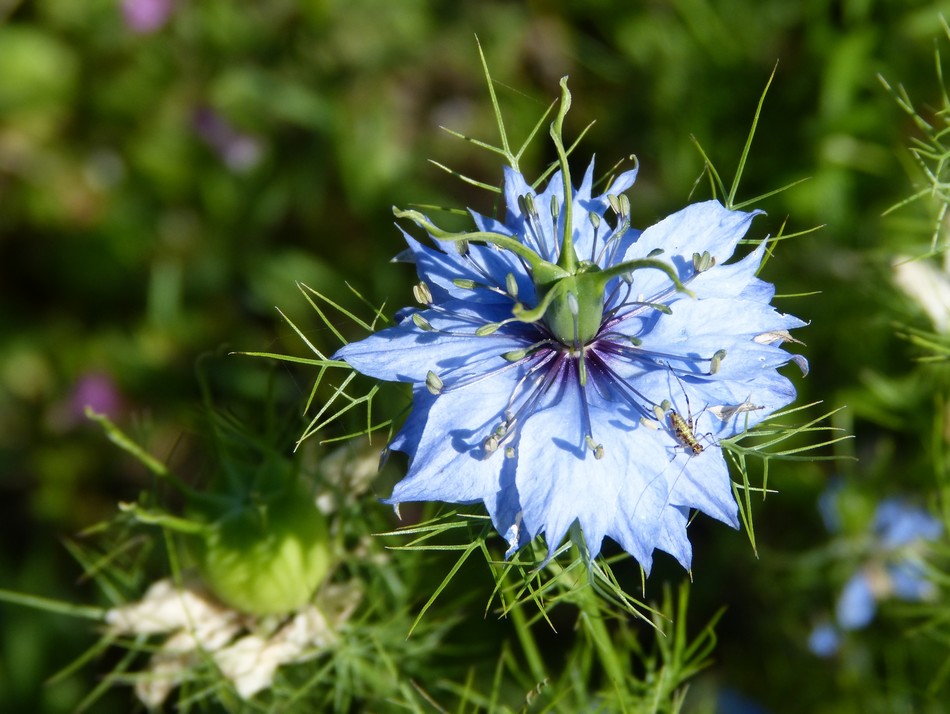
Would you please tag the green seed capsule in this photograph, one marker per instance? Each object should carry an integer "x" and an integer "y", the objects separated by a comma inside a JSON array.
[{"x": 263, "y": 557}]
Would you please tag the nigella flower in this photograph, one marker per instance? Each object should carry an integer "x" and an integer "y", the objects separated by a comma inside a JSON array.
[
  {"x": 569, "y": 368},
  {"x": 892, "y": 568}
]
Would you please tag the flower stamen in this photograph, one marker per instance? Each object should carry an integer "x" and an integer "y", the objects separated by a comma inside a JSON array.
[{"x": 533, "y": 222}]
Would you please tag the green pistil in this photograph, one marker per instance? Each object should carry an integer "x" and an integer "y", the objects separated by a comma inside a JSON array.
[
  {"x": 573, "y": 307},
  {"x": 508, "y": 243},
  {"x": 576, "y": 307},
  {"x": 568, "y": 259},
  {"x": 571, "y": 292}
]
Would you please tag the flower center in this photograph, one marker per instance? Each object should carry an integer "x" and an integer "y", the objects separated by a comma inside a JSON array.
[{"x": 576, "y": 311}]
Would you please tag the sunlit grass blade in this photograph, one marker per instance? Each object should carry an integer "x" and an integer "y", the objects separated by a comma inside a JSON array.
[
  {"x": 765, "y": 437},
  {"x": 308, "y": 292},
  {"x": 120, "y": 439},
  {"x": 502, "y": 133},
  {"x": 476, "y": 142},
  {"x": 730, "y": 202},
  {"x": 467, "y": 551},
  {"x": 464, "y": 178},
  {"x": 59, "y": 607},
  {"x": 513, "y": 160},
  {"x": 768, "y": 194},
  {"x": 717, "y": 187}
]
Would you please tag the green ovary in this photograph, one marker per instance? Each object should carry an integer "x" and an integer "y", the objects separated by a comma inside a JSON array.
[{"x": 577, "y": 310}]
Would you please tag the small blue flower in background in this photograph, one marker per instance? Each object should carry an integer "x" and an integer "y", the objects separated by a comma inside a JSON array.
[
  {"x": 857, "y": 603},
  {"x": 569, "y": 368},
  {"x": 824, "y": 640},
  {"x": 893, "y": 568},
  {"x": 898, "y": 524}
]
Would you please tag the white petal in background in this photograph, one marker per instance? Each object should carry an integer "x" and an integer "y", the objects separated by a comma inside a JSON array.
[
  {"x": 928, "y": 286},
  {"x": 246, "y": 649}
]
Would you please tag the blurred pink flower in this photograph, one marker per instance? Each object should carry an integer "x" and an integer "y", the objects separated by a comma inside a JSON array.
[
  {"x": 239, "y": 152},
  {"x": 145, "y": 16},
  {"x": 97, "y": 391}
]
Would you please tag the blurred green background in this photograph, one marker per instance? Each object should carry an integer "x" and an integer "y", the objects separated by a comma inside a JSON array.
[{"x": 165, "y": 179}]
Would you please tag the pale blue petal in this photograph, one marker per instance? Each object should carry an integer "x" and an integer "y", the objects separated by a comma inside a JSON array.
[
  {"x": 439, "y": 269},
  {"x": 734, "y": 279},
  {"x": 700, "y": 328},
  {"x": 449, "y": 463},
  {"x": 608, "y": 496},
  {"x": 437, "y": 266},
  {"x": 824, "y": 641},
  {"x": 672, "y": 535},
  {"x": 704, "y": 484},
  {"x": 407, "y": 353},
  {"x": 583, "y": 235},
  {"x": 542, "y": 237},
  {"x": 700, "y": 227},
  {"x": 620, "y": 184},
  {"x": 857, "y": 604},
  {"x": 898, "y": 524},
  {"x": 732, "y": 407}
]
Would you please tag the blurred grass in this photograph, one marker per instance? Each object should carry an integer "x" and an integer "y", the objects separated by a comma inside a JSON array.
[{"x": 160, "y": 193}]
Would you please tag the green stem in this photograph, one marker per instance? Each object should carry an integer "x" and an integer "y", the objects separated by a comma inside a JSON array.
[
  {"x": 528, "y": 645},
  {"x": 57, "y": 606},
  {"x": 537, "y": 312},
  {"x": 591, "y": 615},
  {"x": 122, "y": 440},
  {"x": 163, "y": 519}
]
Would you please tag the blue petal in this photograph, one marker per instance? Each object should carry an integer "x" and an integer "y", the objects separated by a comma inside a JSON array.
[
  {"x": 704, "y": 484},
  {"x": 857, "y": 604},
  {"x": 407, "y": 353},
  {"x": 584, "y": 233},
  {"x": 620, "y": 184},
  {"x": 448, "y": 461},
  {"x": 700, "y": 328},
  {"x": 700, "y": 227},
  {"x": 560, "y": 480},
  {"x": 731, "y": 407},
  {"x": 483, "y": 265},
  {"x": 824, "y": 640},
  {"x": 590, "y": 242},
  {"x": 734, "y": 279},
  {"x": 899, "y": 524},
  {"x": 909, "y": 581},
  {"x": 546, "y": 240},
  {"x": 672, "y": 536}
]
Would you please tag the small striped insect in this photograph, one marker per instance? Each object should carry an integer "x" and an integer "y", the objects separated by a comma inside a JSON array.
[{"x": 683, "y": 428}]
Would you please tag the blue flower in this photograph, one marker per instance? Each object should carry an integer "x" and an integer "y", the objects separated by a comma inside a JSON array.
[
  {"x": 898, "y": 524},
  {"x": 857, "y": 603},
  {"x": 824, "y": 640},
  {"x": 569, "y": 368},
  {"x": 894, "y": 568}
]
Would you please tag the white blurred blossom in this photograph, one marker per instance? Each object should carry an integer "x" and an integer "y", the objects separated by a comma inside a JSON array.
[{"x": 247, "y": 650}]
